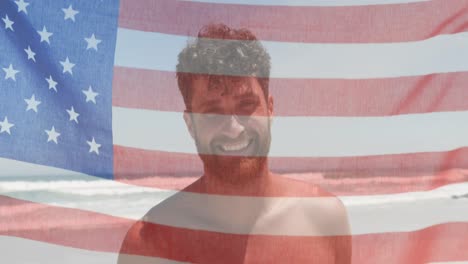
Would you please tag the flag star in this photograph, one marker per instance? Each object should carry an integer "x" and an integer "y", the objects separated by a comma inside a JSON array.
[
  {"x": 70, "y": 13},
  {"x": 5, "y": 126},
  {"x": 52, "y": 83},
  {"x": 22, "y": 6},
  {"x": 32, "y": 103},
  {"x": 10, "y": 73},
  {"x": 45, "y": 35},
  {"x": 73, "y": 115},
  {"x": 67, "y": 66},
  {"x": 92, "y": 42},
  {"x": 90, "y": 95},
  {"x": 93, "y": 146},
  {"x": 30, "y": 53},
  {"x": 8, "y": 23},
  {"x": 53, "y": 135}
]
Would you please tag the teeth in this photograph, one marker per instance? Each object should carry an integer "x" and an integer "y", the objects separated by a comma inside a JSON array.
[{"x": 235, "y": 147}]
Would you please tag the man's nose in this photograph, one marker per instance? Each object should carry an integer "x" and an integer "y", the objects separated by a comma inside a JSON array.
[{"x": 233, "y": 128}]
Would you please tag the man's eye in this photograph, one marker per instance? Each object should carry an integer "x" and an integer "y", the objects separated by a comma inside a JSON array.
[{"x": 247, "y": 108}]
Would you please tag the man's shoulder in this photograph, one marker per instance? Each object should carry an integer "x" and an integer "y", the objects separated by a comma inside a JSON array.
[
  {"x": 144, "y": 234},
  {"x": 136, "y": 238},
  {"x": 323, "y": 208},
  {"x": 133, "y": 243},
  {"x": 144, "y": 238}
]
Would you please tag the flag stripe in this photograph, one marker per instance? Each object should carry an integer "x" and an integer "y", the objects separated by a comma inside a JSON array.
[
  {"x": 443, "y": 53},
  {"x": 444, "y": 241},
  {"x": 103, "y": 233},
  {"x": 451, "y": 262},
  {"x": 83, "y": 229},
  {"x": 307, "y": 136},
  {"x": 151, "y": 163},
  {"x": 16, "y": 178},
  {"x": 376, "y": 185},
  {"x": 62, "y": 226},
  {"x": 46, "y": 253},
  {"x": 368, "y": 214},
  {"x": 158, "y": 90},
  {"x": 304, "y": 3},
  {"x": 14, "y": 248},
  {"x": 345, "y": 24}
]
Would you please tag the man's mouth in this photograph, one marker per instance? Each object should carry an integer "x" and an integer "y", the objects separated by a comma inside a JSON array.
[{"x": 238, "y": 148}]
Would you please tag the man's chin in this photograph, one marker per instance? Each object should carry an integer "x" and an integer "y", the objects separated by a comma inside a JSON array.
[{"x": 234, "y": 169}]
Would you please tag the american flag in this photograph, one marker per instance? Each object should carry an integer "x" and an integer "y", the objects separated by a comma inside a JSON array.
[{"x": 371, "y": 103}]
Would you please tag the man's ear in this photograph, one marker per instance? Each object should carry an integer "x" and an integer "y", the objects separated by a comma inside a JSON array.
[{"x": 189, "y": 123}]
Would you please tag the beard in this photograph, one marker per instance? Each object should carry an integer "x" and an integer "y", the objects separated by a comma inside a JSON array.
[{"x": 236, "y": 169}]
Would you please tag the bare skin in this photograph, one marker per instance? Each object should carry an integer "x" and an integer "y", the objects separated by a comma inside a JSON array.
[{"x": 241, "y": 211}]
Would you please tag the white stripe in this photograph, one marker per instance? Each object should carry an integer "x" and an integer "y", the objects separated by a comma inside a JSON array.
[
  {"x": 307, "y": 136},
  {"x": 70, "y": 189},
  {"x": 309, "y": 2},
  {"x": 444, "y": 53},
  {"x": 367, "y": 214},
  {"x": 24, "y": 251}
]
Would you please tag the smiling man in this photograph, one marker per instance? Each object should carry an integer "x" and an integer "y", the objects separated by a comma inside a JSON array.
[
  {"x": 238, "y": 211},
  {"x": 229, "y": 120}
]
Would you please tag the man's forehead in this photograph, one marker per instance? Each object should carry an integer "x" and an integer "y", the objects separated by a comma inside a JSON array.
[{"x": 212, "y": 86}]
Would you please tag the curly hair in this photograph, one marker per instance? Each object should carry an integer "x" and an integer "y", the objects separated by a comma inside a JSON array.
[{"x": 220, "y": 51}]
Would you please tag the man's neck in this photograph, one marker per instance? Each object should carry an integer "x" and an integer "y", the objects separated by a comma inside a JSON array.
[{"x": 254, "y": 185}]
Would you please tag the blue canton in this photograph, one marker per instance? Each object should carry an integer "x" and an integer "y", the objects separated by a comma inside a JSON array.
[{"x": 56, "y": 68}]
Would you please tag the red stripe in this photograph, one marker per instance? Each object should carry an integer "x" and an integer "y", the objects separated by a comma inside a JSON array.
[
  {"x": 443, "y": 242},
  {"x": 212, "y": 247},
  {"x": 350, "y": 24},
  {"x": 157, "y": 90},
  {"x": 92, "y": 231},
  {"x": 62, "y": 226},
  {"x": 385, "y": 172}
]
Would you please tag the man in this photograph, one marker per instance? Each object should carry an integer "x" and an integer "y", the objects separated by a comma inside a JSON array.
[{"x": 238, "y": 211}]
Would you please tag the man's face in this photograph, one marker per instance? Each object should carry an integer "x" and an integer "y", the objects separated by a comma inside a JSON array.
[{"x": 230, "y": 123}]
